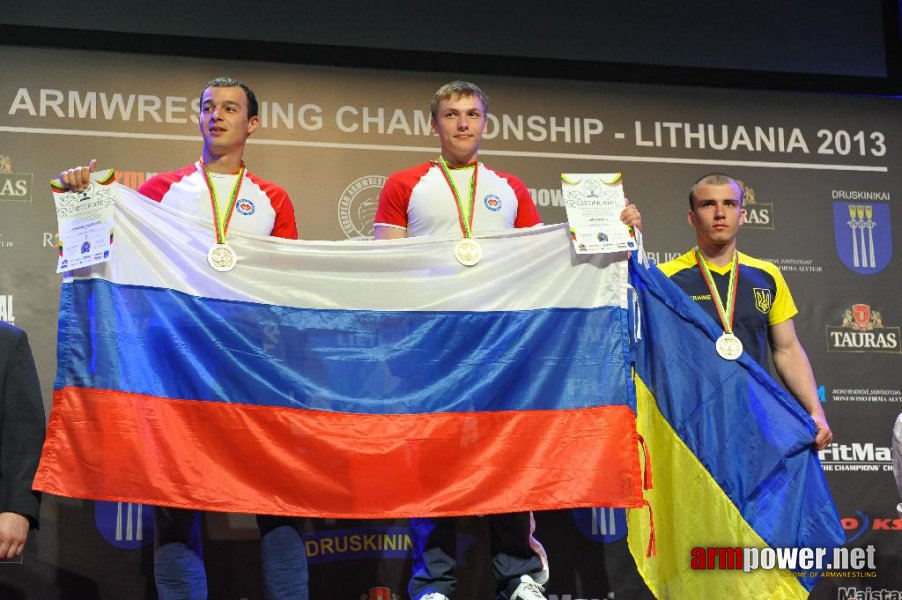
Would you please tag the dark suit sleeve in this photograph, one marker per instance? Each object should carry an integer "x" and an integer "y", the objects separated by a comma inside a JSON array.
[{"x": 22, "y": 428}]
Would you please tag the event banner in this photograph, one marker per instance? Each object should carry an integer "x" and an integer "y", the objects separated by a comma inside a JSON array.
[{"x": 820, "y": 175}]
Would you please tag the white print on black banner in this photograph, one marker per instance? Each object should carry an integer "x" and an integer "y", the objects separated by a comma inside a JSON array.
[
  {"x": 865, "y": 395},
  {"x": 293, "y": 115},
  {"x": 859, "y": 457},
  {"x": 862, "y": 330},
  {"x": 784, "y": 140},
  {"x": 868, "y": 593},
  {"x": 6, "y": 308}
]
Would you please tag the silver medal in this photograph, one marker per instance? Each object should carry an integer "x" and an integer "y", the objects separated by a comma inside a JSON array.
[
  {"x": 222, "y": 258},
  {"x": 468, "y": 252},
  {"x": 729, "y": 346}
]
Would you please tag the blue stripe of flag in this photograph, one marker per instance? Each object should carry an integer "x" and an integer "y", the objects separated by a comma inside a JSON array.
[{"x": 169, "y": 344}]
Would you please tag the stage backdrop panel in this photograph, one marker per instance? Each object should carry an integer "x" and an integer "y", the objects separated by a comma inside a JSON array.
[{"x": 822, "y": 177}]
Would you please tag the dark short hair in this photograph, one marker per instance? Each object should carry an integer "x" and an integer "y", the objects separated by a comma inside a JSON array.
[
  {"x": 456, "y": 89},
  {"x": 714, "y": 179},
  {"x": 226, "y": 81}
]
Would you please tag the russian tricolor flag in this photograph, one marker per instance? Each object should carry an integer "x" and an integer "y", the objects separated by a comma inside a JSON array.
[{"x": 342, "y": 379}]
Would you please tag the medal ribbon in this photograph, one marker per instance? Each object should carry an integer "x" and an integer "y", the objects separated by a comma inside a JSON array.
[
  {"x": 724, "y": 312},
  {"x": 222, "y": 227},
  {"x": 464, "y": 212}
]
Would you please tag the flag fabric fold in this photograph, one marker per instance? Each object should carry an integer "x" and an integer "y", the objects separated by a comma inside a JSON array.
[
  {"x": 733, "y": 462},
  {"x": 342, "y": 379}
]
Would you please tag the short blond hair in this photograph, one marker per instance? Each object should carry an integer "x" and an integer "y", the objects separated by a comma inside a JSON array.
[{"x": 455, "y": 89}]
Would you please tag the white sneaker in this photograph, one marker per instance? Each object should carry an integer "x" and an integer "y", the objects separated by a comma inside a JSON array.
[
  {"x": 528, "y": 590},
  {"x": 434, "y": 596}
]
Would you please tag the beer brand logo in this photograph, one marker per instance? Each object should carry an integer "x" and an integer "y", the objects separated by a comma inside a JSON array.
[
  {"x": 862, "y": 330},
  {"x": 763, "y": 299},
  {"x": 123, "y": 524},
  {"x": 863, "y": 236},
  {"x": 357, "y": 206},
  {"x": 755, "y": 215},
  {"x": 14, "y": 187},
  {"x": 380, "y": 593}
]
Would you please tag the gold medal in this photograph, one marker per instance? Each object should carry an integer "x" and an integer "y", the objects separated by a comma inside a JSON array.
[
  {"x": 222, "y": 257},
  {"x": 468, "y": 252},
  {"x": 728, "y": 346}
]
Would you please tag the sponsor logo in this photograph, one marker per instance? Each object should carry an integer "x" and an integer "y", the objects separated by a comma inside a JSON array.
[
  {"x": 6, "y": 308},
  {"x": 123, "y": 524},
  {"x": 602, "y": 525},
  {"x": 380, "y": 593},
  {"x": 867, "y": 593},
  {"x": 798, "y": 560},
  {"x": 14, "y": 187},
  {"x": 861, "y": 523},
  {"x": 245, "y": 207},
  {"x": 357, "y": 206},
  {"x": 856, "y": 457},
  {"x": 755, "y": 215},
  {"x": 602, "y": 236},
  {"x": 863, "y": 236},
  {"x": 492, "y": 202},
  {"x": 763, "y": 299},
  {"x": 862, "y": 330},
  {"x": 85, "y": 247},
  {"x": 354, "y": 544},
  {"x": 821, "y": 393},
  {"x": 865, "y": 395},
  {"x": 796, "y": 265},
  {"x": 5, "y": 243}
]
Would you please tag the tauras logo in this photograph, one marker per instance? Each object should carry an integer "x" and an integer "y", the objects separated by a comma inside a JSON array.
[
  {"x": 755, "y": 215},
  {"x": 14, "y": 187},
  {"x": 380, "y": 593},
  {"x": 862, "y": 330}
]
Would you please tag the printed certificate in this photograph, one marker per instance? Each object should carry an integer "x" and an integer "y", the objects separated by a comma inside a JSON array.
[
  {"x": 594, "y": 202},
  {"x": 85, "y": 221}
]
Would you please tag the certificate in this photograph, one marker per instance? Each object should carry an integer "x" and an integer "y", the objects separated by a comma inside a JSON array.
[
  {"x": 594, "y": 202},
  {"x": 85, "y": 221}
]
